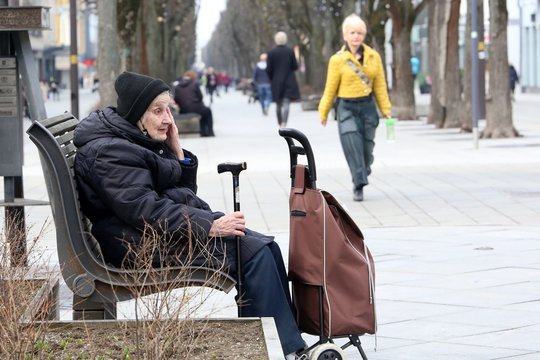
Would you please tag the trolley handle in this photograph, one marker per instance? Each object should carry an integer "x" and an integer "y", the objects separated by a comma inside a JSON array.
[{"x": 294, "y": 150}]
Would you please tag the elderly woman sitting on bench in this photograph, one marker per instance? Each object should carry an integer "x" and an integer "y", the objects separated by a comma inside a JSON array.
[{"x": 132, "y": 173}]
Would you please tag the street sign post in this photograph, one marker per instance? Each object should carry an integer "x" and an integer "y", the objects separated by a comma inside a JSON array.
[{"x": 17, "y": 62}]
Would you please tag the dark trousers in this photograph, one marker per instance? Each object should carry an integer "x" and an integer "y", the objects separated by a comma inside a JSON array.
[
  {"x": 357, "y": 122},
  {"x": 266, "y": 294},
  {"x": 282, "y": 111},
  {"x": 210, "y": 91},
  {"x": 207, "y": 120}
]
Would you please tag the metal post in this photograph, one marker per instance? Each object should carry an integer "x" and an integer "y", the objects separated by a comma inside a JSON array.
[
  {"x": 17, "y": 59},
  {"x": 74, "y": 59},
  {"x": 474, "y": 72}
]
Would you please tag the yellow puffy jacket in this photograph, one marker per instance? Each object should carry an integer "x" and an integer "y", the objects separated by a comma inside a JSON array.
[{"x": 343, "y": 82}]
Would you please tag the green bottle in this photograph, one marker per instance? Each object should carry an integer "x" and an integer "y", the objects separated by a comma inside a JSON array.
[{"x": 390, "y": 133}]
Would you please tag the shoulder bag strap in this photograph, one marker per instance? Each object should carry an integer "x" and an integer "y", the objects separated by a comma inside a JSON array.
[{"x": 357, "y": 70}]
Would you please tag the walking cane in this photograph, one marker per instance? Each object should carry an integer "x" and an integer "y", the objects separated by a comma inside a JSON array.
[{"x": 235, "y": 169}]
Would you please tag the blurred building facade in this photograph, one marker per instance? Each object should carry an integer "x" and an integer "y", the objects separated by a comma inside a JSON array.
[
  {"x": 51, "y": 47},
  {"x": 529, "y": 66},
  {"x": 523, "y": 41}
]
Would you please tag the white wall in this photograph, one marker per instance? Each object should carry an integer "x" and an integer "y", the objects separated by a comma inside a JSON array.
[{"x": 514, "y": 31}]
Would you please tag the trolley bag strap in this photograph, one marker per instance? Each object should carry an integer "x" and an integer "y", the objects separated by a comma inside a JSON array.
[{"x": 299, "y": 179}]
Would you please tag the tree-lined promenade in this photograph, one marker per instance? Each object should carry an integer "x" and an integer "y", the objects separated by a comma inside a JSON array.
[{"x": 158, "y": 38}]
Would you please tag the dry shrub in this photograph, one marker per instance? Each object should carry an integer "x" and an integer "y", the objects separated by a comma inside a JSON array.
[
  {"x": 164, "y": 318},
  {"x": 164, "y": 324},
  {"x": 25, "y": 289}
]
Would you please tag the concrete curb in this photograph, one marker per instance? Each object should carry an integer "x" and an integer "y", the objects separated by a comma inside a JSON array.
[{"x": 271, "y": 339}]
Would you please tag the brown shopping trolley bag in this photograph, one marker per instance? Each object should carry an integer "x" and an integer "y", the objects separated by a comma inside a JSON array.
[{"x": 330, "y": 267}]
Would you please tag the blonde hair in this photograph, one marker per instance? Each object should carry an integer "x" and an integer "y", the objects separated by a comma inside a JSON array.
[
  {"x": 352, "y": 20},
  {"x": 280, "y": 38}
]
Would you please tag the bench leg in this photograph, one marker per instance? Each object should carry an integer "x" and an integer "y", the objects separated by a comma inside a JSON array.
[
  {"x": 52, "y": 310},
  {"x": 84, "y": 309}
]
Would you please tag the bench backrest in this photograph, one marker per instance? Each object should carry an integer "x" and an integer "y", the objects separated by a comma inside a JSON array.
[{"x": 79, "y": 253}]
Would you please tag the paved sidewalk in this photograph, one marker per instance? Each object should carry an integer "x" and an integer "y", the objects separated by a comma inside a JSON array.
[{"x": 454, "y": 230}]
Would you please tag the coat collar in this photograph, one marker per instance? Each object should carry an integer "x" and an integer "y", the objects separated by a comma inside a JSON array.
[{"x": 368, "y": 54}]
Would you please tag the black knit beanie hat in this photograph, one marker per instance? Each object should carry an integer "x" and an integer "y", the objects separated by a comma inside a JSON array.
[{"x": 135, "y": 93}]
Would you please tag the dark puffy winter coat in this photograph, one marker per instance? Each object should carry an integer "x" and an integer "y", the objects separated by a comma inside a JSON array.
[
  {"x": 127, "y": 181},
  {"x": 187, "y": 93},
  {"x": 280, "y": 66}
]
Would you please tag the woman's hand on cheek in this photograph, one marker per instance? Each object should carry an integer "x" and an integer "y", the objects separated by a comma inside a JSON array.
[
  {"x": 173, "y": 129},
  {"x": 173, "y": 139}
]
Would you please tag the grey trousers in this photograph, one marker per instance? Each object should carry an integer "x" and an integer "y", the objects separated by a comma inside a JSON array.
[
  {"x": 282, "y": 110},
  {"x": 357, "y": 123}
]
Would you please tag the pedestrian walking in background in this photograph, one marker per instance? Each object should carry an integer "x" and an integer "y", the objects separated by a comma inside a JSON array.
[
  {"x": 44, "y": 89},
  {"x": 356, "y": 77},
  {"x": 281, "y": 66},
  {"x": 223, "y": 80},
  {"x": 189, "y": 98},
  {"x": 53, "y": 90},
  {"x": 262, "y": 81},
  {"x": 211, "y": 83},
  {"x": 514, "y": 78}
]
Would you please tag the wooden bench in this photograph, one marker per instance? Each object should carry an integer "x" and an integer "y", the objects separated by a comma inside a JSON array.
[
  {"x": 96, "y": 285},
  {"x": 311, "y": 102},
  {"x": 187, "y": 123}
]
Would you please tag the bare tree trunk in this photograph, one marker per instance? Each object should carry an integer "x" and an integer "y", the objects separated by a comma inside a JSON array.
[
  {"x": 452, "y": 72},
  {"x": 376, "y": 18},
  {"x": 152, "y": 46},
  {"x": 403, "y": 102},
  {"x": 127, "y": 15},
  {"x": 499, "y": 123},
  {"x": 312, "y": 82},
  {"x": 436, "y": 62},
  {"x": 108, "y": 61}
]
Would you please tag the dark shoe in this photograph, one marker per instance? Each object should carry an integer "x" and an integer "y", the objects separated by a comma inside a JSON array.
[{"x": 358, "y": 195}]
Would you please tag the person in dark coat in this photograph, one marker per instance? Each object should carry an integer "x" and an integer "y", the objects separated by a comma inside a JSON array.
[
  {"x": 211, "y": 83},
  {"x": 514, "y": 78},
  {"x": 281, "y": 67},
  {"x": 189, "y": 98},
  {"x": 133, "y": 174}
]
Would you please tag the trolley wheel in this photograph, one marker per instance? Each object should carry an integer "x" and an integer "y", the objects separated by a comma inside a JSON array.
[{"x": 327, "y": 351}]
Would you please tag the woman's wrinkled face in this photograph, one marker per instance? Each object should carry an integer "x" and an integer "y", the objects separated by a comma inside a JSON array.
[
  {"x": 354, "y": 34},
  {"x": 156, "y": 119}
]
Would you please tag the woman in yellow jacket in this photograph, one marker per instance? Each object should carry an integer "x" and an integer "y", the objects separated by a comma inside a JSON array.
[{"x": 356, "y": 78}]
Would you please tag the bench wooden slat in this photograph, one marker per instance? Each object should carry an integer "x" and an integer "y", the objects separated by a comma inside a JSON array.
[
  {"x": 69, "y": 151},
  {"x": 66, "y": 138},
  {"x": 61, "y": 128},
  {"x": 56, "y": 119}
]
